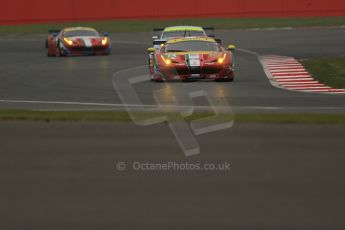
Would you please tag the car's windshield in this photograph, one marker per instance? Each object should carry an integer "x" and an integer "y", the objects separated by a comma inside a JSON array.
[
  {"x": 186, "y": 46},
  {"x": 81, "y": 33},
  {"x": 183, "y": 33}
]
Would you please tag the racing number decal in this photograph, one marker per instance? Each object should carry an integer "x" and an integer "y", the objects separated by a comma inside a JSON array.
[{"x": 194, "y": 60}]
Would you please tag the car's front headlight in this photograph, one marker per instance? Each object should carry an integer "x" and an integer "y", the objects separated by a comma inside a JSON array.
[
  {"x": 68, "y": 41},
  {"x": 221, "y": 59},
  {"x": 167, "y": 61},
  {"x": 104, "y": 41}
]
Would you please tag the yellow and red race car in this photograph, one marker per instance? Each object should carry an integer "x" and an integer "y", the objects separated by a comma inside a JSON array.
[
  {"x": 192, "y": 58},
  {"x": 77, "y": 41}
]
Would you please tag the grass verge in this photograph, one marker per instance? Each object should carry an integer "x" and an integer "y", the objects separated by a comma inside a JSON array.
[
  {"x": 122, "y": 116},
  {"x": 147, "y": 25},
  {"x": 330, "y": 71}
]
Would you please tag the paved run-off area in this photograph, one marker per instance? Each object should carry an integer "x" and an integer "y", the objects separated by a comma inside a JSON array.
[{"x": 64, "y": 176}]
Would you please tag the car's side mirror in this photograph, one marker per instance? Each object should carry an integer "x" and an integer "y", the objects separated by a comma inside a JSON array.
[
  {"x": 231, "y": 47},
  {"x": 106, "y": 34},
  {"x": 151, "y": 50},
  {"x": 154, "y": 37}
]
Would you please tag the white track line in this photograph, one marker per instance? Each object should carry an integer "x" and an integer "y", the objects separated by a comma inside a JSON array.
[
  {"x": 306, "y": 78},
  {"x": 282, "y": 67},
  {"x": 278, "y": 63},
  {"x": 292, "y": 78},
  {"x": 290, "y": 74},
  {"x": 302, "y": 85},
  {"x": 286, "y": 70},
  {"x": 111, "y": 106},
  {"x": 309, "y": 87}
]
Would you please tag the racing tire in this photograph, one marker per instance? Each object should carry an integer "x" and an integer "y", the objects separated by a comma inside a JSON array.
[
  {"x": 158, "y": 80},
  {"x": 49, "y": 55},
  {"x": 58, "y": 51},
  {"x": 230, "y": 79},
  {"x": 47, "y": 48},
  {"x": 151, "y": 77},
  {"x": 186, "y": 80},
  {"x": 225, "y": 80}
]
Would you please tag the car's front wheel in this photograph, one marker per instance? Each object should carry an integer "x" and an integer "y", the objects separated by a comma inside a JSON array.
[
  {"x": 157, "y": 78},
  {"x": 49, "y": 53},
  {"x": 59, "y": 52}
]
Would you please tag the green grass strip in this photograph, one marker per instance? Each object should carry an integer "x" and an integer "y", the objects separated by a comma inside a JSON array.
[
  {"x": 123, "y": 116},
  {"x": 330, "y": 71},
  {"x": 114, "y": 26}
]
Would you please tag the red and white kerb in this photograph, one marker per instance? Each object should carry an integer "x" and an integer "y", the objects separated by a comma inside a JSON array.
[{"x": 290, "y": 74}]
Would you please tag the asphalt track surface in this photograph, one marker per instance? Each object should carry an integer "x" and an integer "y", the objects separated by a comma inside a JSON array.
[
  {"x": 64, "y": 175},
  {"x": 28, "y": 75}
]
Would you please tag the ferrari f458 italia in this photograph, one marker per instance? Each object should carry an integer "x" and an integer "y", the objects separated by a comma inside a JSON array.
[
  {"x": 77, "y": 41},
  {"x": 192, "y": 58}
]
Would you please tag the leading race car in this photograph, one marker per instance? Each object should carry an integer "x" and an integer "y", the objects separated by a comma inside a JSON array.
[
  {"x": 77, "y": 41},
  {"x": 192, "y": 58}
]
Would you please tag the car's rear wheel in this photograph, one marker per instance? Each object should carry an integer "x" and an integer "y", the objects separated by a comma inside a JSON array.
[
  {"x": 229, "y": 79},
  {"x": 49, "y": 54},
  {"x": 231, "y": 76},
  {"x": 158, "y": 79},
  {"x": 59, "y": 52},
  {"x": 152, "y": 77}
]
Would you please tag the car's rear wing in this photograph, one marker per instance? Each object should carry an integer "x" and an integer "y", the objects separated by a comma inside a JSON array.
[
  {"x": 219, "y": 41},
  {"x": 208, "y": 28},
  {"x": 159, "y": 42},
  {"x": 204, "y": 28},
  {"x": 54, "y": 32},
  {"x": 157, "y": 32},
  {"x": 209, "y": 31},
  {"x": 158, "y": 29}
]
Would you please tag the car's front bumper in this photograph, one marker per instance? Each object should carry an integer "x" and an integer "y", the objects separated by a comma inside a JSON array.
[
  {"x": 78, "y": 51},
  {"x": 213, "y": 73}
]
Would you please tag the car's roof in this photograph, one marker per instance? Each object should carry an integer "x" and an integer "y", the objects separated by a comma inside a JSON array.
[
  {"x": 79, "y": 28},
  {"x": 183, "y": 28},
  {"x": 205, "y": 39}
]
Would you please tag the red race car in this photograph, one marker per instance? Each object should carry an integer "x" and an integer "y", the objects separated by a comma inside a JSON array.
[
  {"x": 77, "y": 41},
  {"x": 192, "y": 58}
]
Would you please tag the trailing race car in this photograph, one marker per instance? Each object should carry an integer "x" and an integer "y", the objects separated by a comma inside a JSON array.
[
  {"x": 77, "y": 41},
  {"x": 192, "y": 58},
  {"x": 179, "y": 32}
]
